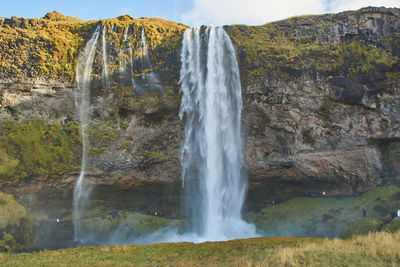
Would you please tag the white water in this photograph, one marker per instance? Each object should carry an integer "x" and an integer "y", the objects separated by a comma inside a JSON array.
[
  {"x": 122, "y": 50},
  {"x": 104, "y": 53},
  {"x": 82, "y": 101},
  {"x": 212, "y": 161},
  {"x": 144, "y": 49},
  {"x": 131, "y": 62},
  {"x": 150, "y": 78}
]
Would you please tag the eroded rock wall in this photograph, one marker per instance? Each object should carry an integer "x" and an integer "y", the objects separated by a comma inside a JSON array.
[
  {"x": 322, "y": 107},
  {"x": 321, "y": 110}
]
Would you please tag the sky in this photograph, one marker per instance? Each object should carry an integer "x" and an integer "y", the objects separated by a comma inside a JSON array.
[{"x": 189, "y": 12}]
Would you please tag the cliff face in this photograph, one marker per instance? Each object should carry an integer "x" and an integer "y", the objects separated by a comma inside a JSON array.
[
  {"x": 133, "y": 121},
  {"x": 321, "y": 108},
  {"x": 322, "y": 102}
]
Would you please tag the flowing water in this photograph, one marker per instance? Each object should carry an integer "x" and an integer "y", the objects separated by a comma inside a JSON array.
[
  {"x": 145, "y": 50},
  {"x": 122, "y": 63},
  {"x": 131, "y": 64},
  {"x": 212, "y": 156},
  {"x": 82, "y": 101},
  {"x": 104, "y": 53},
  {"x": 150, "y": 80}
]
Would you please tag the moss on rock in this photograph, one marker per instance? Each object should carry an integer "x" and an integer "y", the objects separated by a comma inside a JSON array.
[
  {"x": 392, "y": 226},
  {"x": 361, "y": 227},
  {"x": 49, "y": 47},
  {"x": 309, "y": 216},
  {"x": 36, "y": 148},
  {"x": 283, "y": 49},
  {"x": 15, "y": 226}
]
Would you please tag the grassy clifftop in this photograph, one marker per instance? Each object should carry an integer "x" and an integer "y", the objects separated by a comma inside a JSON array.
[
  {"x": 49, "y": 47},
  {"x": 362, "y": 42}
]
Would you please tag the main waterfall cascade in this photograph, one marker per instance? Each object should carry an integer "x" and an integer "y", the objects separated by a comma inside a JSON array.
[
  {"x": 212, "y": 157},
  {"x": 82, "y": 101}
]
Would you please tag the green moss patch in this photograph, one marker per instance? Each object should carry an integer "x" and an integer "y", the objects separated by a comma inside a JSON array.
[
  {"x": 35, "y": 148},
  {"x": 324, "y": 216},
  {"x": 15, "y": 227},
  {"x": 393, "y": 226},
  {"x": 49, "y": 47},
  {"x": 285, "y": 48},
  {"x": 361, "y": 227}
]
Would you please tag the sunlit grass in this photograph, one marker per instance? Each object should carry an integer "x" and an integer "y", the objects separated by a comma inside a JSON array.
[{"x": 378, "y": 249}]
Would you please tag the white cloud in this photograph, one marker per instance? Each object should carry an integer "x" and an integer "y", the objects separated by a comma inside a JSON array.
[
  {"x": 219, "y": 12},
  {"x": 255, "y": 12}
]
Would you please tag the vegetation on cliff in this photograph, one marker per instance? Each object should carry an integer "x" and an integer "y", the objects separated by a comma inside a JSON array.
[
  {"x": 328, "y": 44},
  {"x": 49, "y": 47},
  {"x": 35, "y": 148},
  {"x": 15, "y": 224},
  {"x": 39, "y": 47}
]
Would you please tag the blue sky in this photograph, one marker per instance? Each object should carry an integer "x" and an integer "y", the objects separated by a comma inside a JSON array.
[
  {"x": 190, "y": 12},
  {"x": 96, "y": 9}
]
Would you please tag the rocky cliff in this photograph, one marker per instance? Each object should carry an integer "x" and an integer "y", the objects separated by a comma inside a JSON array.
[
  {"x": 321, "y": 109},
  {"x": 322, "y": 102}
]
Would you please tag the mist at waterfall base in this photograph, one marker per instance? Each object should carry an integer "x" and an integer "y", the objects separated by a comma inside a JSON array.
[{"x": 213, "y": 177}]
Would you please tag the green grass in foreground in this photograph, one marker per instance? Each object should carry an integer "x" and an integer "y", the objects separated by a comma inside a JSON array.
[{"x": 378, "y": 249}]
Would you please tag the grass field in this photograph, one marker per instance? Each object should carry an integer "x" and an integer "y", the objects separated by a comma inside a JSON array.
[{"x": 375, "y": 249}]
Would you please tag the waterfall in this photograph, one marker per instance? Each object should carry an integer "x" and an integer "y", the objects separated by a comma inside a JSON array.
[
  {"x": 150, "y": 79},
  {"x": 104, "y": 52},
  {"x": 131, "y": 63},
  {"x": 145, "y": 50},
  {"x": 121, "y": 55},
  {"x": 82, "y": 101},
  {"x": 212, "y": 156}
]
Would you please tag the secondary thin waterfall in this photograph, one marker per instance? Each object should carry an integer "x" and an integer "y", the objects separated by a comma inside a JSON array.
[
  {"x": 151, "y": 78},
  {"x": 122, "y": 63},
  {"x": 212, "y": 157},
  {"x": 82, "y": 101},
  {"x": 145, "y": 51},
  {"x": 104, "y": 53}
]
